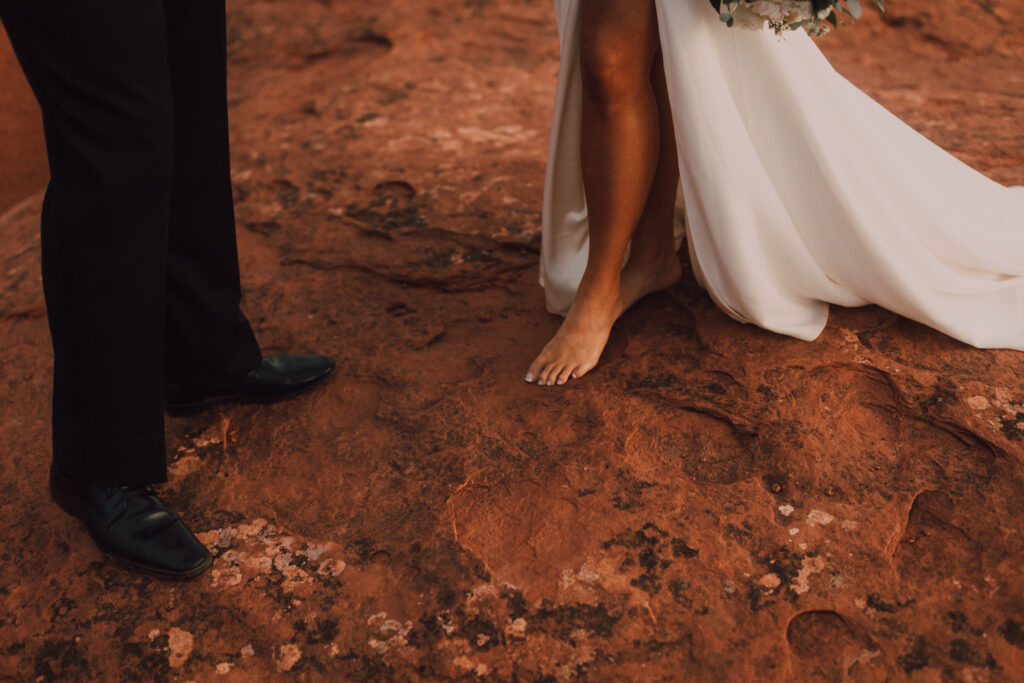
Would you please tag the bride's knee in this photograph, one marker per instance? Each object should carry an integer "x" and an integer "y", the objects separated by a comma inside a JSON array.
[{"x": 612, "y": 73}]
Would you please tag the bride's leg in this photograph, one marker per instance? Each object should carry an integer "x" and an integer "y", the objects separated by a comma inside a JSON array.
[
  {"x": 653, "y": 263},
  {"x": 620, "y": 144}
]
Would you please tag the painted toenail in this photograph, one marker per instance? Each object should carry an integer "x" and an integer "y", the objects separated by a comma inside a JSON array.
[{"x": 529, "y": 377}]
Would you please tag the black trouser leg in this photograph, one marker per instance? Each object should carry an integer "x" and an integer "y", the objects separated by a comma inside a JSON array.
[
  {"x": 209, "y": 341},
  {"x": 99, "y": 69},
  {"x": 138, "y": 227}
]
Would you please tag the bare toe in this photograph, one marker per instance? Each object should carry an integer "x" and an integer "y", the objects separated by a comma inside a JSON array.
[
  {"x": 551, "y": 373},
  {"x": 565, "y": 375},
  {"x": 536, "y": 367},
  {"x": 542, "y": 376},
  {"x": 581, "y": 370}
]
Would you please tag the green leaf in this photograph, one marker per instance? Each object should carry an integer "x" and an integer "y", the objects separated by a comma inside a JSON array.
[
  {"x": 855, "y": 9},
  {"x": 881, "y": 4},
  {"x": 832, "y": 20}
]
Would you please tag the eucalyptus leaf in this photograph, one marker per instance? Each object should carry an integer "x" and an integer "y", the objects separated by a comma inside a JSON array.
[{"x": 855, "y": 9}]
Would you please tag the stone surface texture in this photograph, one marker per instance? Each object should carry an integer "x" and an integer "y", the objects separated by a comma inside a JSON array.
[{"x": 714, "y": 503}]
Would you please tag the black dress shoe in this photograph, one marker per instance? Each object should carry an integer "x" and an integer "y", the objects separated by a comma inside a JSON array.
[
  {"x": 130, "y": 524},
  {"x": 277, "y": 378}
]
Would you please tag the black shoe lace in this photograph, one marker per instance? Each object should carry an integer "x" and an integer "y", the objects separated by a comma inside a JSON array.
[{"x": 126, "y": 492}]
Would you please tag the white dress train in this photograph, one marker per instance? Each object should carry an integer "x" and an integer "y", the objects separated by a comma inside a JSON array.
[{"x": 800, "y": 191}]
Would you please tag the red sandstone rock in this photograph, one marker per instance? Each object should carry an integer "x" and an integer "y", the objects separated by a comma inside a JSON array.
[{"x": 715, "y": 502}]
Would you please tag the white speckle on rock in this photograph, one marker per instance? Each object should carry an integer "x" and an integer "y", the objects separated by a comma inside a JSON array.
[
  {"x": 819, "y": 518},
  {"x": 770, "y": 581},
  {"x": 287, "y": 656},
  {"x": 849, "y": 525},
  {"x": 247, "y": 651},
  {"x": 314, "y": 551},
  {"x": 331, "y": 567},
  {"x": 810, "y": 565},
  {"x": 467, "y": 664},
  {"x": 223, "y": 668},
  {"x": 517, "y": 628},
  {"x": 392, "y": 625},
  {"x": 978, "y": 402},
  {"x": 483, "y": 590},
  {"x": 794, "y": 531},
  {"x": 283, "y": 562},
  {"x": 584, "y": 575},
  {"x": 180, "y": 643},
  {"x": 786, "y": 510}
]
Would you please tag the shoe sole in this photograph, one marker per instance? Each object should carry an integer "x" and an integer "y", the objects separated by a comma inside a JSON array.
[
  {"x": 72, "y": 510},
  {"x": 196, "y": 407}
]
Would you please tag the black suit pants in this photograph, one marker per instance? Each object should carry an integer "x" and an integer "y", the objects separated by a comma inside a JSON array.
[{"x": 140, "y": 267}]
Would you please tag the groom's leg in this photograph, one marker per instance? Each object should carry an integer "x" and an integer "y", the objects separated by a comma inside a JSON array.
[
  {"x": 99, "y": 70},
  {"x": 209, "y": 341}
]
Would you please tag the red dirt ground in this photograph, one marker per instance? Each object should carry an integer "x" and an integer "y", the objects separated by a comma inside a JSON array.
[
  {"x": 715, "y": 502},
  {"x": 22, "y": 150}
]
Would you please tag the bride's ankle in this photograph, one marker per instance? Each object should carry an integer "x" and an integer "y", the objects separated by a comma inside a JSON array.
[
  {"x": 602, "y": 287},
  {"x": 661, "y": 257}
]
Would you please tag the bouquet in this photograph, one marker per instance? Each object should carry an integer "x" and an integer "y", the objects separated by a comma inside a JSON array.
[{"x": 816, "y": 16}]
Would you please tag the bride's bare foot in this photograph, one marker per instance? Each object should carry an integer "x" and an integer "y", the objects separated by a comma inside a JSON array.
[{"x": 577, "y": 346}]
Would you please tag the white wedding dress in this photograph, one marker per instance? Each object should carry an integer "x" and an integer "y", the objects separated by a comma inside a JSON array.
[{"x": 800, "y": 191}]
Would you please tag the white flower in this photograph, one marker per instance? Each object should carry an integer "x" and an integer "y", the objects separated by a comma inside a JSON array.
[
  {"x": 774, "y": 12},
  {"x": 744, "y": 17},
  {"x": 801, "y": 10}
]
